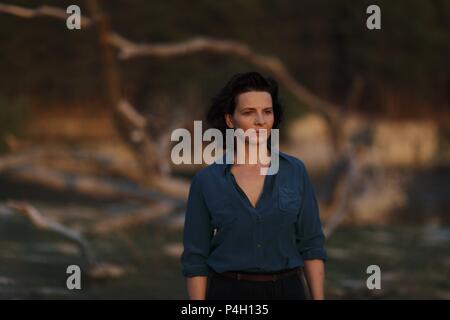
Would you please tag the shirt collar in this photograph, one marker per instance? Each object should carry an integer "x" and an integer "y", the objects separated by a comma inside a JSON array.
[{"x": 226, "y": 165}]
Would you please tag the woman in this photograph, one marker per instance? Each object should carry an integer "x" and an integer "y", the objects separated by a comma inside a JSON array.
[{"x": 248, "y": 235}]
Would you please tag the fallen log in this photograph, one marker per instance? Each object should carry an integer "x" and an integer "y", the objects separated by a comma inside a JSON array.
[
  {"x": 86, "y": 184},
  {"x": 43, "y": 223},
  {"x": 137, "y": 218},
  {"x": 95, "y": 269}
]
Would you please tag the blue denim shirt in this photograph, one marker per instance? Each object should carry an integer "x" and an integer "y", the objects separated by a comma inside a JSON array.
[{"x": 224, "y": 232}]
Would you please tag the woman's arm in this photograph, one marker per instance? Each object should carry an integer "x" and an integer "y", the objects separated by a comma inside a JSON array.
[
  {"x": 315, "y": 275},
  {"x": 311, "y": 239},
  {"x": 196, "y": 287},
  {"x": 197, "y": 235}
]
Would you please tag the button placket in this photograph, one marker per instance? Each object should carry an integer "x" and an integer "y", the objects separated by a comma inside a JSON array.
[{"x": 244, "y": 197}]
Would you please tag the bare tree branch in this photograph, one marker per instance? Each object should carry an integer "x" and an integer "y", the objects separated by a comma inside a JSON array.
[
  {"x": 87, "y": 184},
  {"x": 41, "y": 222},
  {"x": 71, "y": 160},
  {"x": 137, "y": 135},
  {"x": 43, "y": 10},
  {"x": 343, "y": 201},
  {"x": 129, "y": 123},
  {"x": 131, "y": 115},
  {"x": 133, "y": 125},
  {"x": 140, "y": 217},
  {"x": 95, "y": 269},
  {"x": 15, "y": 160},
  {"x": 129, "y": 49}
]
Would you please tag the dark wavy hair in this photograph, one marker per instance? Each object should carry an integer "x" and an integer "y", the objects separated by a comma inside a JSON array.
[{"x": 225, "y": 101}]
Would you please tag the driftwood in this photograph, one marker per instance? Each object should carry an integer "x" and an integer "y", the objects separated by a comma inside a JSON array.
[
  {"x": 43, "y": 10},
  {"x": 140, "y": 217},
  {"x": 43, "y": 223},
  {"x": 342, "y": 205},
  {"x": 73, "y": 160},
  {"x": 129, "y": 49},
  {"x": 95, "y": 270},
  {"x": 66, "y": 165},
  {"x": 85, "y": 184},
  {"x": 133, "y": 126},
  {"x": 128, "y": 121},
  {"x": 15, "y": 160}
]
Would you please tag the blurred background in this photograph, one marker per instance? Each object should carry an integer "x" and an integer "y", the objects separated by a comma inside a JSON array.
[{"x": 86, "y": 117}]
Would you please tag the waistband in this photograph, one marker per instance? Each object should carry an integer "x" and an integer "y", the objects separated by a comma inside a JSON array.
[{"x": 269, "y": 276}]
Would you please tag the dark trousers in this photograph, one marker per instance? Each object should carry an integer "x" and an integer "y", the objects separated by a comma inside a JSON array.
[{"x": 224, "y": 288}]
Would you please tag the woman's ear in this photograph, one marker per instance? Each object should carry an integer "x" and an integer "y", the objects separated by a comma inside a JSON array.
[{"x": 229, "y": 121}]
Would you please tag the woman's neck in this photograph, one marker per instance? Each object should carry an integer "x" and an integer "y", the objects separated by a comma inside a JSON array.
[{"x": 258, "y": 155}]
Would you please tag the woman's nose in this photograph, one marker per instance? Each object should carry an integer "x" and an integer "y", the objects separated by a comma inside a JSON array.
[{"x": 260, "y": 118}]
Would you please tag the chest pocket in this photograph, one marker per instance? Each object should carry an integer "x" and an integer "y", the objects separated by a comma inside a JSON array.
[
  {"x": 222, "y": 212},
  {"x": 289, "y": 201}
]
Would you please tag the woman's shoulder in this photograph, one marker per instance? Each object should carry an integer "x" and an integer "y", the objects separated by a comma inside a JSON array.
[
  {"x": 296, "y": 171},
  {"x": 208, "y": 172},
  {"x": 294, "y": 162}
]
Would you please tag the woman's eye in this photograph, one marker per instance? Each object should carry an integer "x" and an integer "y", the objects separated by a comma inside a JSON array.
[{"x": 268, "y": 111}]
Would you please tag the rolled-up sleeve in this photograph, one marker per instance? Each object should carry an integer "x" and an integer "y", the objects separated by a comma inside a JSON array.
[
  {"x": 197, "y": 233},
  {"x": 309, "y": 235}
]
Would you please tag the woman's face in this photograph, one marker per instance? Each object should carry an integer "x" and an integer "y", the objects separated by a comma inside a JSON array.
[{"x": 253, "y": 111}]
